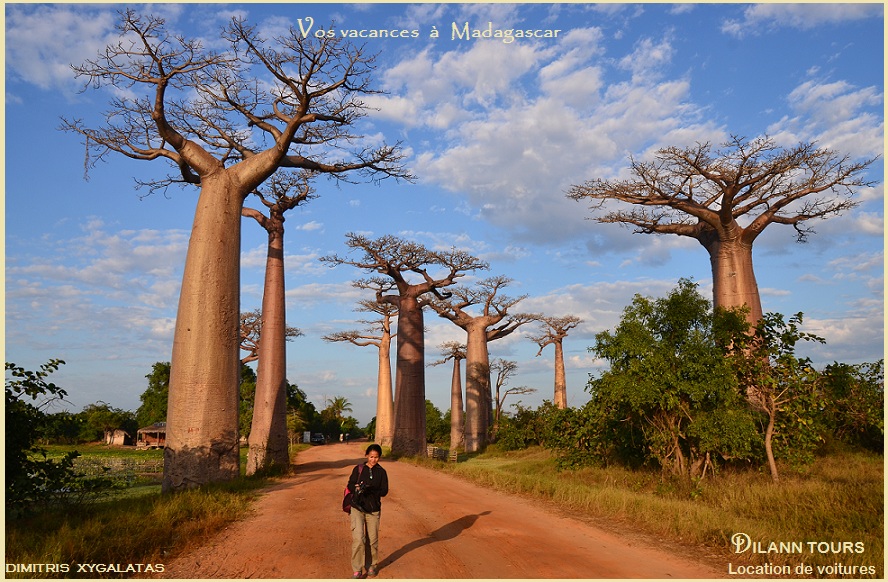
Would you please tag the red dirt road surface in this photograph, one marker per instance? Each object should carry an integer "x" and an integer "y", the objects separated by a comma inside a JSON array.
[{"x": 432, "y": 526}]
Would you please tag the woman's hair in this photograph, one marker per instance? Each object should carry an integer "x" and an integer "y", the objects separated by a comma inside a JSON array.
[{"x": 374, "y": 447}]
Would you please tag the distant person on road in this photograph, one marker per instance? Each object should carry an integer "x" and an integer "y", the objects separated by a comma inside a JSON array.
[{"x": 368, "y": 484}]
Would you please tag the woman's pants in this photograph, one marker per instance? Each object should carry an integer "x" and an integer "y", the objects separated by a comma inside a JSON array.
[{"x": 364, "y": 527}]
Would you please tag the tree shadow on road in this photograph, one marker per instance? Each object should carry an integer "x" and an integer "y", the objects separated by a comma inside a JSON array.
[{"x": 445, "y": 532}]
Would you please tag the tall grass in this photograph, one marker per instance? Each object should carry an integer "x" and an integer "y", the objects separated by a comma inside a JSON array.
[
  {"x": 840, "y": 498},
  {"x": 147, "y": 529},
  {"x": 140, "y": 526}
]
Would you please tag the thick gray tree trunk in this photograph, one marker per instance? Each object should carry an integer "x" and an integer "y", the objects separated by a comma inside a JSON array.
[
  {"x": 268, "y": 432},
  {"x": 733, "y": 277},
  {"x": 560, "y": 378},
  {"x": 457, "y": 416},
  {"x": 410, "y": 423},
  {"x": 385, "y": 408},
  {"x": 477, "y": 388},
  {"x": 202, "y": 417}
]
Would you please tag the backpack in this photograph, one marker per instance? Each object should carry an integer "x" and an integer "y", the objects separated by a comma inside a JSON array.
[{"x": 347, "y": 495}]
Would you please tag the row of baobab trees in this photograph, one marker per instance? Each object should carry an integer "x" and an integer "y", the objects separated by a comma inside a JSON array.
[
  {"x": 410, "y": 278},
  {"x": 266, "y": 117}
]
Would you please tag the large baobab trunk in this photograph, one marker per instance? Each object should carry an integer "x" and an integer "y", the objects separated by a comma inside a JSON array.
[
  {"x": 410, "y": 423},
  {"x": 477, "y": 388},
  {"x": 385, "y": 409},
  {"x": 202, "y": 435},
  {"x": 457, "y": 417},
  {"x": 733, "y": 278},
  {"x": 268, "y": 432},
  {"x": 560, "y": 381}
]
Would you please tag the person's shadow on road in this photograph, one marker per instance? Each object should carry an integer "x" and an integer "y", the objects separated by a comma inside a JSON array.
[{"x": 445, "y": 532}]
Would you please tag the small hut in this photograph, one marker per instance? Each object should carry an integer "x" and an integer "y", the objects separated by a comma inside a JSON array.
[
  {"x": 152, "y": 437},
  {"x": 118, "y": 437}
]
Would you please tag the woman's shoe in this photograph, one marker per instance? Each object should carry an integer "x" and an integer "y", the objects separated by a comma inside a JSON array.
[
  {"x": 371, "y": 572},
  {"x": 357, "y": 574}
]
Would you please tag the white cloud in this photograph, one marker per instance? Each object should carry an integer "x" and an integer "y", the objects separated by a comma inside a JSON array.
[
  {"x": 514, "y": 153},
  {"x": 759, "y": 18},
  {"x": 599, "y": 305},
  {"x": 648, "y": 58},
  {"x": 836, "y": 115},
  {"x": 42, "y": 42},
  {"x": 310, "y": 226}
]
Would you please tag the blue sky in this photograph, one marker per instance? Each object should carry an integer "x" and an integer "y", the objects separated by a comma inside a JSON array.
[{"x": 495, "y": 132}]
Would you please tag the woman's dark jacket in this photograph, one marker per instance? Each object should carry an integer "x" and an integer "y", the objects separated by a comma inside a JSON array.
[{"x": 374, "y": 485}]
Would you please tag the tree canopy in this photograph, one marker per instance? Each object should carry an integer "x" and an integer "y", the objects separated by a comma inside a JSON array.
[{"x": 725, "y": 198}]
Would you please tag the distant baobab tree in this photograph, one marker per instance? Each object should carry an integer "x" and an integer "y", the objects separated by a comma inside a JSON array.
[
  {"x": 455, "y": 351},
  {"x": 225, "y": 121},
  {"x": 726, "y": 198},
  {"x": 494, "y": 311},
  {"x": 377, "y": 333},
  {"x": 269, "y": 442},
  {"x": 251, "y": 331},
  {"x": 553, "y": 331},
  {"x": 504, "y": 370},
  {"x": 270, "y": 448},
  {"x": 406, "y": 268}
]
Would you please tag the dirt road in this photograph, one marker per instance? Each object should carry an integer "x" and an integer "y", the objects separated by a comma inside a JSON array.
[{"x": 433, "y": 526}]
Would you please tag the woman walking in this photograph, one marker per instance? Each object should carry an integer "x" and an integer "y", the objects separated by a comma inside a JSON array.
[{"x": 368, "y": 484}]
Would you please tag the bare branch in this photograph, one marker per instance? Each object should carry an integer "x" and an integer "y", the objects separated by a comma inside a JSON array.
[
  {"x": 694, "y": 191},
  {"x": 554, "y": 330},
  {"x": 267, "y": 103},
  {"x": 251, "y": 332}
]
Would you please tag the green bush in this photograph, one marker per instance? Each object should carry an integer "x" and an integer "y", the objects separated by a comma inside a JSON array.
[
  {"x": 30, "y": 476},
  {"x": 857, "y": 393}
]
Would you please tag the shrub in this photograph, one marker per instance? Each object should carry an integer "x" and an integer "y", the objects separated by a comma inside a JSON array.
[{"x": 30, "y": 476}]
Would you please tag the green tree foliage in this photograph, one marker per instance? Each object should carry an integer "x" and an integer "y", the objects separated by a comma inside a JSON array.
[
  {"x": 688, "y": 387},
  {"x": 370, "y": 429},
  {"x": 782, "y": 386},
  {"x": 856, "y": 396},
  {"x": 61, "y": 428},
  {"x": 670, "y": 396},
  {"x": 29, "y": 478},
  {"x": 247, "y": 399},
  {"x": 155, "y": 397},
  {"x": 337, "y": 407},
  {"x": 301, "y": 414},
  {"x": 99, "y": 420},
  {"x": 333, "y": 421},
  {"x": 437, "y": 428}
]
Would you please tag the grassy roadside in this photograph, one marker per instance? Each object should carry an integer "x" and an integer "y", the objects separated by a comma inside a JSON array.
[
  {"x": 140, "y": 526},
  {"x": 838, "y": 499}
]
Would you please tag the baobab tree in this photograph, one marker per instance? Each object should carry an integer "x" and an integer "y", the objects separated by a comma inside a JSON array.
[
  {"x": 377, "y": 333},
  {"x": 251, "y": 331},
  {"x": 455, "y": 351},
  {"x": 251, "y": 335},
  {"x": 494, "y": 309},
  {"x": 269, "y": 446},
  {"x": 225, "y": 121},
  {"x": 553, "y": 331},
  {"x": 504, "y": 370},
  {"x": 406, "y": 265},
  {"x": 725, "y": 199}
]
